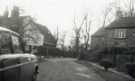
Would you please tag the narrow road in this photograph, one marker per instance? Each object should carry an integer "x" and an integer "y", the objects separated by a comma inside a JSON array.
[{"x": 59, "y": 69}]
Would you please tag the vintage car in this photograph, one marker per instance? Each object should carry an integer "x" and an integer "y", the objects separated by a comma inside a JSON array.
[{"x": 15, "y": 65}]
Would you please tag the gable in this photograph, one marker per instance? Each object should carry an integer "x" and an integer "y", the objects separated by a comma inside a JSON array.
[{"x": 126, "y": 22}]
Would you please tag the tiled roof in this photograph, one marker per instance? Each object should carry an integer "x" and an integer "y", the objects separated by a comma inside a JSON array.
[
  {"x": 9, "y": 22},
  {"x": 100, "y": 32},
  {"x": 125, "y": 22},
  {"x": 45, "y": 31}
]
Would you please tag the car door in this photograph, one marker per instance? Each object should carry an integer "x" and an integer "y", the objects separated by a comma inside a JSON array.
[
  {"x": 27, "y": 69},
  {"x": 11, "y": 74}
]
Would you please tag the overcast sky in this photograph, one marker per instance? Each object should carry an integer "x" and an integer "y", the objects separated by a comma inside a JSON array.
[{"x": 61, "y": 13}]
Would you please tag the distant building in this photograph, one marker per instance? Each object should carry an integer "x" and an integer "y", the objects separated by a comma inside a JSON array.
[
  {"x": 36, "y": 31},
  {"x": 34, "y": 34}
]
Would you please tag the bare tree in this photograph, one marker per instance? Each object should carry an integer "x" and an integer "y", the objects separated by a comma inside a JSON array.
[
  {"x": 56, "y": 35},
  {"x": 77, "y": 31},
  {"x": 131, "y": 7},
  {"x": 15, "y": 12},
  {"x": 62, "y": 41},
  {"x": 6, "y": 13},
  {"x": 129, "y": 4},
  {"x": 86, "y": 34},
  {"x": 105, "y": 15}
]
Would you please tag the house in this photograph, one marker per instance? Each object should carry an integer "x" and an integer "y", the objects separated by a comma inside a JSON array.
[
  {"x": 120, "y": 33},
  {"x": 98, "y": 39},
  {"x": 34, "y": 34},
  {"x": 119, "y": 40},
  {"x": 37, "y": 35},
  {"x": 39, "y": 32}
]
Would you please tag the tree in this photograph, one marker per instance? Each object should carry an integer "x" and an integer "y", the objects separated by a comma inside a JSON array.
[
  {"x": 131, "y": 7},
  {"x": 6, "y": 13},
  {"x": 15, "y": 12},
  {"x": 16, "y": 24},
  {"x": 107, "y": 12},
  {"x": 128, "y": 9},
  {"x": 129, "y": 4},
  {"x": 86, "y": 32},
  {"x": 77, "y": 31},
  {"x": 56, "y": 35},
  {"x": 62, "y": 41}
]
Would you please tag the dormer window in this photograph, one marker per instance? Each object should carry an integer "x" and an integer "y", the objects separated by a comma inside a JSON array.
[{"x": 120, "y": 33}]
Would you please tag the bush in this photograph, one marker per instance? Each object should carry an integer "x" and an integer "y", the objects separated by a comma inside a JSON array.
[
  {"x": 131, "y": 69},
  {"x": 106, "y": 64}
]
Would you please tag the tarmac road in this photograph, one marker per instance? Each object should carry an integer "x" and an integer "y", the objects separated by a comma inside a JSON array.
[{"x": 66, "y": 69}]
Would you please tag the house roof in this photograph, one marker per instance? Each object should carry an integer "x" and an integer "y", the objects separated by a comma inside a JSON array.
[
  {"x": 100, "y": 32},
  {"x": 49, "y": 38},
  {"x": 9, "y": 22},
  {"x": 125, "y": 22}
]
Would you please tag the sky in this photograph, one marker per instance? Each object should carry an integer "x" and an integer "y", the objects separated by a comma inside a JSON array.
[{"x": 60, "y": 13}]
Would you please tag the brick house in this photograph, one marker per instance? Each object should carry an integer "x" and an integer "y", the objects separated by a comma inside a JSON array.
[
  {"x": 119, "y": 33},
  {"x": 117, "y": 39},
  {"x": 98, "y": 39}
]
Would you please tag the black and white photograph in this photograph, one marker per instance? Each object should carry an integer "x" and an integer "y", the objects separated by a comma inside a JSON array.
[{"x": 67, "y": 40}]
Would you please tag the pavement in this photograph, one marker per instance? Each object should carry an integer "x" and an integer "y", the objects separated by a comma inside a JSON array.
[
  {"x": 111, "y": 75},
  {"x": 69, "y": 69}
]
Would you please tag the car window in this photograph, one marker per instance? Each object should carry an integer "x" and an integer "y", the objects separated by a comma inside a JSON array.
[
  {"x": 16, "y": 44},
  {"x": 10, "y": 62},
  {"x": 24, "y": 59},
  {"x": 5, "y": 43},
  {"x": 9, "y": 43}
]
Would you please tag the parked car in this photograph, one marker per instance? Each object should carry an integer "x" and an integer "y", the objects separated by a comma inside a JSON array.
[
  {"x": 15, "y": 65},
  {"x": 18, "y": 67}
]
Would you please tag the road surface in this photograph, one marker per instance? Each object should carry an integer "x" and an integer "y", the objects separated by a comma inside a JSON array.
[
  {"x": 67, "y": 69},
  {"x": 60, "y": 69}
]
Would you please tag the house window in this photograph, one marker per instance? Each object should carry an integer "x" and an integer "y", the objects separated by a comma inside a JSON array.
[{"x": 120, "y": 33}]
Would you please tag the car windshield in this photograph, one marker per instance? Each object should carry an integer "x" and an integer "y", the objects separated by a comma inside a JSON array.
[{"x": 9, "y": 43}]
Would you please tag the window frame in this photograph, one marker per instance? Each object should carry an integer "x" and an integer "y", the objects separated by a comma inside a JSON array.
[{"x": 120, "y": 33}]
